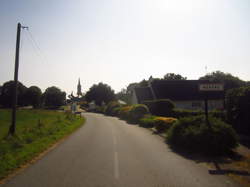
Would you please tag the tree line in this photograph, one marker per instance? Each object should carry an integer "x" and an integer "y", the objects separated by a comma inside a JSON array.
[{"x": 52, "y": 97}]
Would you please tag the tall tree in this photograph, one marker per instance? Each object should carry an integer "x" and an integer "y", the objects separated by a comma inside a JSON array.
[
  {"x": 229, "y": 80},
  {"x": 173, "y": 76},
  {"x": 7, "y": 92},
  {"x": 100, "y": 93},
  {"x": 53, "y": 97},
  {"x": 33, "y": 96}
]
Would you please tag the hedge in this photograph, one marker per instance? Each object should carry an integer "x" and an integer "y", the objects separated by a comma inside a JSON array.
[
  {"x": 193, "y": 135},
  {"x": 160, "y": 107}
]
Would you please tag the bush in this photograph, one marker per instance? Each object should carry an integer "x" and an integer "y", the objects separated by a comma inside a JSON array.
[
  {"x": 147, "y": 121},
  {"x": 181, "y": 113},
  {"x": 161, "y": 107},
  {"x": 123, "y": 113},
  {"x": 163, "y": 123},
  {"x": 111, "y": 106},
  {"x": 238, "y": 107},
  {"x": 137, "y": 112},
  {"x": 193, "y": 135}
]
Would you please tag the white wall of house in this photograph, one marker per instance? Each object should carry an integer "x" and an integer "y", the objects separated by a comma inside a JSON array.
[{"x": 134, "y": 99}]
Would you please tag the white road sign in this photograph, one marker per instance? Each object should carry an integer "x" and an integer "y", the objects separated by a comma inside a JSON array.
[{"x": 211, "y": 87}]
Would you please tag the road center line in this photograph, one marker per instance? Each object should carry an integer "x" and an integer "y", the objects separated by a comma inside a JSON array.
[{"x": 116, "y": 166}]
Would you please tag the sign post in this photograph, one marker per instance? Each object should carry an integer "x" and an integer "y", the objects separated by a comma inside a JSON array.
[{"x": 206, "y": 88}]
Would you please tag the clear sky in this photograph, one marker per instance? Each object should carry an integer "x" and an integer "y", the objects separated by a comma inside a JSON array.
[{"x": 123, "y": 41}]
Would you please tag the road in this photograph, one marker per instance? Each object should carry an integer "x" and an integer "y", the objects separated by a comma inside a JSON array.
[{"x": 108, "y": 152}]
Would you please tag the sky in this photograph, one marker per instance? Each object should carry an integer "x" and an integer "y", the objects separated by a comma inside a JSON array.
[{"x": 119, "y": 42}]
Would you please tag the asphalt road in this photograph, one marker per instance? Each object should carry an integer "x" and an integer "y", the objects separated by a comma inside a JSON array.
[{"x": 109, "y": 152}]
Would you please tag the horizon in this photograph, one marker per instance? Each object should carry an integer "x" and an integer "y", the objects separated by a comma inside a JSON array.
[{"x": 119, "y": 42}]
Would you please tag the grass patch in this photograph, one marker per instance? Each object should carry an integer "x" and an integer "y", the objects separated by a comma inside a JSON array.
[{"x": 36, "y": 130}]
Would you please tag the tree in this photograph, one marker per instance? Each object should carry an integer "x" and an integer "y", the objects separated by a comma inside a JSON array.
[
  {"x": 229, "y": 80},
  {"x": 53, "y": 97},
  {"x": 33, "y": 96},
  {"x": 100, "y": 93},
  {"x": 173, "y": 76},
  {"x": 124, "y": 95},
  {"x": 7, "y": 92}
]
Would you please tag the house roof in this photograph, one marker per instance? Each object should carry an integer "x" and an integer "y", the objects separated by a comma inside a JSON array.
[
  {"x": 183, "y": 90},
  {"x": 143, "y": 94},
  {"x": 177, "y": 90}
]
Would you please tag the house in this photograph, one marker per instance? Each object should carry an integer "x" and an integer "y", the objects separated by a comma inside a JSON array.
[{"x": 184, "y": 93}]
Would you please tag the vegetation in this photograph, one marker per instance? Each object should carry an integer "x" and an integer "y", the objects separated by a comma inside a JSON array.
[
  {"x": 7, "y": 91},
  {"x": 193, "y": 135},
  {"x": 100, "y": 93},
  {"x": 110, "y": 109},
  {"x": 137, "y": 112},
  {"x": 36, "y": 131},
  {"x": 229, "y": 80},
  {"x": 161, "y": 107},
  {"x": 238, "y": 107},
  {"x": 53, "y": 97},
  {"x": 173, "y": 76}
]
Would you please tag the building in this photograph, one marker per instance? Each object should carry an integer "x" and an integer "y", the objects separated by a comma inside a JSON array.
[
  {"x": 79, "y": 88},
  {"x": 184, "y": 93}
]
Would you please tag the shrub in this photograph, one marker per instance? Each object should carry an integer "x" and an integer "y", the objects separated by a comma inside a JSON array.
[
  {"x": 181, "y": 113},
  {"x": 238, "y": 107},
  {"x": 110, "y": 107},
  {"x": 193, "y": 135},
  {"x": 161, "y": 107},
  {"x": 124, "y": 112},
  {"x": 137, "y": 112},
  {"x": 147, "y": 121},
  {"x": 163, "y": 123}
]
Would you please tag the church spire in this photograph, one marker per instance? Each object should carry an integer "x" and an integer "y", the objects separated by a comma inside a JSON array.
[{"x": 79, "y": 88}]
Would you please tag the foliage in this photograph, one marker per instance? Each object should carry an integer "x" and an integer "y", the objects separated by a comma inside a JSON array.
[
  {"x": 163, "y": 123},
  {"x": 100, "y": 93},
  {"x": 124, "y": 112},
  {"x": 124, "y": 95},
  {"x": 238, "y": 107},
  {"x": 229, "y": 80},
  {"x": 33, "y": 96},
  {"x": 173, "y": 76},
  {"x": 147, "y": 121},
  {"x": 7, "y": 92},
  {"x": 180, "y": 113},
  {"x": 36, "y": 131},
  {"x": 53, "y": 97},
  {"x": 110, "y": 108},
  {"x": 193, "y": 135},
  {"x": 160, "y": 107},
  {"x": 137, "y": 112}
]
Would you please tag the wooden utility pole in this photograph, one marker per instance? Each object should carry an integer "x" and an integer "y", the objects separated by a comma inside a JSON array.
[{"x": 14, "y": 104}]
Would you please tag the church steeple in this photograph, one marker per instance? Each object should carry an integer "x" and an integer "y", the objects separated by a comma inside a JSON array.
[{"x": 79, "y": 88}]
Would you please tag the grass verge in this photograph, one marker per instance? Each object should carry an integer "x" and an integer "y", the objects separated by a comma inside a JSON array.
[{"x": 36, "y": 130}]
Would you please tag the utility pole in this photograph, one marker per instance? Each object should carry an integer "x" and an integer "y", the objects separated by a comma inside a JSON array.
[{"x": 12, "y": 128}]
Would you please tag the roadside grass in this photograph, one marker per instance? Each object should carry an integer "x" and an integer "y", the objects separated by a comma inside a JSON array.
[{"x": 36, "y": 130}]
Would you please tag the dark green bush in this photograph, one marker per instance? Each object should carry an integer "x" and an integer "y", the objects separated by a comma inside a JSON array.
[
  {"x": 137, "y": 112},
  {"x": 193, "y": 135},
  {"x": 124, "y": 112},
  {"x": 162, "y": 124},
  {"x": 161, "y": 107},
  {"x": 147, "y": 121},
  {"x": 181, "y": 113},
  {"x": 110, "y": 108},
  {"x": 238, "y": 109}
]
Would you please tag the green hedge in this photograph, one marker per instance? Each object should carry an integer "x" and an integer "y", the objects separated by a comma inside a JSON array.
[
  {"x": 137, "y": 112},
  {"x": 193, "y": 135},
  {"x": 238, "y": 109},
  {"x": 161, "y": 107},
  {"x": 110, "y": 108}
]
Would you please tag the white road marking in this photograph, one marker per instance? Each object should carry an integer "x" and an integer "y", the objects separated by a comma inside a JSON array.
[{"x": 116, "y": 166}]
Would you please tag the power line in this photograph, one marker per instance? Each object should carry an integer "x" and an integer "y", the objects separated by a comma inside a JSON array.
[{"x": 36, "y": 46}]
